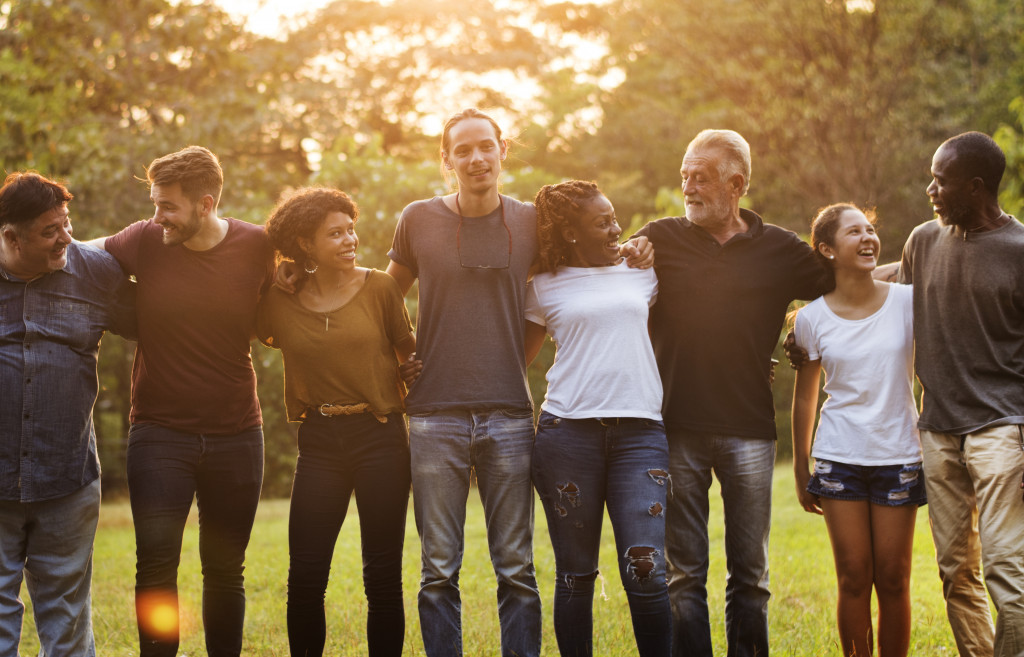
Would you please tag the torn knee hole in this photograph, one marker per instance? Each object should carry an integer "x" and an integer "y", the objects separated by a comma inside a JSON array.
[
  {"x": 656, "y": 510},
  {"x": 641, "y": 561},
  {"x": 571, "y": 579}
]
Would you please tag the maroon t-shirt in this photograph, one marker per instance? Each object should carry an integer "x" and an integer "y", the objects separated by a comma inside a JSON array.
[{"x": 197, "y": 315}]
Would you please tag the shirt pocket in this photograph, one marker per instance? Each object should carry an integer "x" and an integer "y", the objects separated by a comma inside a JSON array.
[{"x": 74, "y": 323}]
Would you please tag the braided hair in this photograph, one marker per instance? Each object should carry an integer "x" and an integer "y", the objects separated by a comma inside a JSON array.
[{"x": 559, "y": 207}]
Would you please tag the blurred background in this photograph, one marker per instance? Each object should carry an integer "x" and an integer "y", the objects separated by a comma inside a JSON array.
[{"x": 840, "y": 101}]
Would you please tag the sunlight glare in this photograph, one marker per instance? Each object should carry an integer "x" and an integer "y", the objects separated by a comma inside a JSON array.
[{"x": 158, "y": 613}]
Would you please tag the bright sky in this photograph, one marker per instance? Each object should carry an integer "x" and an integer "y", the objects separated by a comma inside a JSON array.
[{"x": 266, "y": 16}]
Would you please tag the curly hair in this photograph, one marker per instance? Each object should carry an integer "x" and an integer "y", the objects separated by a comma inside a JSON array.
[
  {"x": 300, "y": 214},
  {"x": 826, "y": 223},
  {"x": 558, "y": 207}
]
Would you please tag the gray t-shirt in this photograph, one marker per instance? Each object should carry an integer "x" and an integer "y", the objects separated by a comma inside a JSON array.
[
  {"x": 470, "y": 323},
  {"x": 968, "y": 324}
]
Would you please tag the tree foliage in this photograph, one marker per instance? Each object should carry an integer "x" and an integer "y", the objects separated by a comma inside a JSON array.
[{"x": 838, "y": 102}]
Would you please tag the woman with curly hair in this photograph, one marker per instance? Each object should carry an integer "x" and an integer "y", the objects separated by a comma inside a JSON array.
[
  {"x": 342, "y": 335},
  {"x": 600, "y": 439}
]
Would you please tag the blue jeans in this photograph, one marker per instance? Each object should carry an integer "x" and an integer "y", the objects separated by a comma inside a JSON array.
[
  {"x": 50, "y": 542},
  {"x": 166, "y": 470},
  {"x": 446, "y": 448},
  {"x": 578, "y": 467},
  {"x": 744, "y": 468},
  {"x": 338, "y": 456}
]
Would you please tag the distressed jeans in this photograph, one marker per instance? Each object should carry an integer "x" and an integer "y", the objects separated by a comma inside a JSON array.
[
  {"x": 446, "y": 447},
  {"x": 579, "y": 466},
  {"x": 977, "y": 518},
  {"x": 744, "y": 468},
  {"x": 166, "y": 470},
  {"x": 338, "y": 456},
  {"x": 50, "y": 544}
]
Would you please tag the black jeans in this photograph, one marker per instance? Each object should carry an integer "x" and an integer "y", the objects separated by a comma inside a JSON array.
[
  {"x": 339, "y": 455},
  {"x": 166, "y": 469}
]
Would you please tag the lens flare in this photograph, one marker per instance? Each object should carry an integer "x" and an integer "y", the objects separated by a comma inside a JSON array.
[{"x": 158, "y": 614}]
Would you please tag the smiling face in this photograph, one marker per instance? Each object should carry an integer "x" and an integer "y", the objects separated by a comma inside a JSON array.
[
  {"x": 596, "y": 233},
  {"x": 710, "y": 199},
  {"x": 39, "y": 247},
  {"x": 180, "y": 218},
  {"x": 949, "y": 190},
  {"x": 334, "y": 244},
  {"x": 855, "y": 245},
  {"x": 475, "y": 153}
]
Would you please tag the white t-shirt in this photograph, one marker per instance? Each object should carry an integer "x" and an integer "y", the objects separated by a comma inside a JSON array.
[
  {"x": 869, "y": 417},
  {"x": 604, "y": 363}
]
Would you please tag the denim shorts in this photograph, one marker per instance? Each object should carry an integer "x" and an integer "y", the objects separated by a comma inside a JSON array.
[{"x": 885, "y": 485}]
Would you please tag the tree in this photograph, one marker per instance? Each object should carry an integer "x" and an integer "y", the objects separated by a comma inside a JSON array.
[{"x": 837, "y": 102}]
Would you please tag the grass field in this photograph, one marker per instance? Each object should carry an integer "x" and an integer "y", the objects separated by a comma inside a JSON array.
[{"x": 801, "y": 611}]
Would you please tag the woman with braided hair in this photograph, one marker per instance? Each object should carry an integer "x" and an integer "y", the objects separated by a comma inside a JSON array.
[{"x": 600, "y": 438}]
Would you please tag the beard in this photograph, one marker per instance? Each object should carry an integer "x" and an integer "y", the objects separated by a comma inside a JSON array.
[
  {"x": 709, "y": 212},
  {"x": 185, "y": 232},
  {"x": 957, "y": 215}
]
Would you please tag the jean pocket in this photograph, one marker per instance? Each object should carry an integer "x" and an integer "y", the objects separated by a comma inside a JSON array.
[{"x": 516, "y": 413}]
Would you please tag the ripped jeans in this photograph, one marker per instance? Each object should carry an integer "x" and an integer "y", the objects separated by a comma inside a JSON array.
[{"x": 578, "y": 467}]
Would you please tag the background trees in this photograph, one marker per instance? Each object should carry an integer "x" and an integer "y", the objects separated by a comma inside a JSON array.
[{"x": 839, "y": 100}]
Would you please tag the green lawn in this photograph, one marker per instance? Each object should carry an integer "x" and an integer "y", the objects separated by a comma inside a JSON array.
[{"x": 802, "y": 607}]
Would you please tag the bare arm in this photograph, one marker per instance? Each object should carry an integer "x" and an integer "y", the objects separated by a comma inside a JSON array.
[
  {"x": 99, "y": 243},
  {"x": 535, "y": 334},
  {"x": 406, "y": 347},
  {"x": 403, "y": 275},
  {"x": 887, "y": 272},
  {"x": 805, "y": 405}
]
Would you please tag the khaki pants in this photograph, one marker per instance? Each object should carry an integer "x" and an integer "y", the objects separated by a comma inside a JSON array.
[{"x": 977, "y": 517}]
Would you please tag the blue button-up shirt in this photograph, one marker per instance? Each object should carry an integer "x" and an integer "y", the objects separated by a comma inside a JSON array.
[{"x": 50, "y": 331}]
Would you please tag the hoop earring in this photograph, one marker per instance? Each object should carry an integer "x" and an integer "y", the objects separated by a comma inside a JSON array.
[{"x": 310, "y": 270}]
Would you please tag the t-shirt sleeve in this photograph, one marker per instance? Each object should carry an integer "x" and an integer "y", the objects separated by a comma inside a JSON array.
[
  {"x": 401, "y": 246},
  {"x": 805, "y": 335},
  {"x": 120, "y": 300},
  {"x": 125, "y": 246},
  {"x": 905, "y": 274},
  {"x": 810, "y": 278},
  {"x": 265, "y": 320},
  {"x": 532, "y": 310},
  {"x": 397, "y": 324}
]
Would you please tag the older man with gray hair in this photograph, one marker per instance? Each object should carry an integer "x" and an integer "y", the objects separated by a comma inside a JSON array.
[{"x": 725, "y": 281}]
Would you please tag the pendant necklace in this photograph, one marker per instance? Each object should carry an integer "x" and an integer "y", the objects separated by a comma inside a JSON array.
[{"x": 332, "y": 307}]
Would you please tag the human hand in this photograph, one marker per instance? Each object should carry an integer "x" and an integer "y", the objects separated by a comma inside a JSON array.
[
  {"x": 809, "y": 502},
  {"x": 796, "y": 354},
  {"x": 638, "y": 252},
  {"x": 410, "y": 369},
  {"x": 289, "y": 276}
]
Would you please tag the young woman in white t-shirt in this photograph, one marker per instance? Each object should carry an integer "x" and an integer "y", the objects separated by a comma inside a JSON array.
[
  {"x": 600, "y": 438},
  {"x": 867, "y": 478}
]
